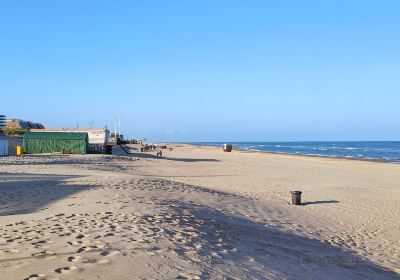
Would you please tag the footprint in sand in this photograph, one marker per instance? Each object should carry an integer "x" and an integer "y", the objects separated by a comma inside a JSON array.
[
  {"x": 184, "y": 276},
  {"x": 80, "y": 236},
  {"x": 75, "y": 243},
  {"x": 84, "y": 249},
  {"x": 36, "y": 277},
  {"x": 109, "y": 253},
  {"x": 215, "y": 255},
  {"x": 74, "y": 258},
  {"x": 11, "y": 251},
  {"x": 92, "y": 261},
  {"x": 43, "y": 254},
  {"x": 66, "y": 269}
]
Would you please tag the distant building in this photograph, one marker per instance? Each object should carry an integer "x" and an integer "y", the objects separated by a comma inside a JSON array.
[
  {"x": 3, "y": 122},
  {"x": 17, "y": 123}
]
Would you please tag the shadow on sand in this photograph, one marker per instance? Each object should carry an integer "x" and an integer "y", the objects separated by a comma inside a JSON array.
[
  {"x": 152, "y": 156},
  {"x": 266, "y": 252},
  {"x": 230, "y": 243},
  {"x": 319, "y": 202},
  {"x": 27, "y": 193},
  {"x": 234, "y": 244}
]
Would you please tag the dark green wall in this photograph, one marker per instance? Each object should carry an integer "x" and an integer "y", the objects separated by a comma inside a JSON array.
[{"x": 50, "y": 142}]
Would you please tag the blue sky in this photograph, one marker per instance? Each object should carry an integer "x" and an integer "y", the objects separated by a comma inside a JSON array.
[{"x": 205, "y": 70}]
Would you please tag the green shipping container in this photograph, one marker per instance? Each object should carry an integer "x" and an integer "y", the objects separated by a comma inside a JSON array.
[{"x": 50, "y": 142}]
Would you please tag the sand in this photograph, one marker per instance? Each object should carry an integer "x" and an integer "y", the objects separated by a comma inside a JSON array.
[{"x": 198, "y": 213}]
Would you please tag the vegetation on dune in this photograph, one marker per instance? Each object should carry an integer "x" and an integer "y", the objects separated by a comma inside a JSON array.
[{"x": 13, "y": 131}]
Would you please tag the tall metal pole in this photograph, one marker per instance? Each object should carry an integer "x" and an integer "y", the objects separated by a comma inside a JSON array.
[
  {"x": 115, "y": 128},
  {"x": 119, "y": 125}
]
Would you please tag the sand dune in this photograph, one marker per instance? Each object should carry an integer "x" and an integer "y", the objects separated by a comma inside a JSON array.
[{"x": 198, "y": 213}]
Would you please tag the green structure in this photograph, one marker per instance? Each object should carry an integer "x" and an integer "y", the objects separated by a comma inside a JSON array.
[{"x": 50, "y": 142}]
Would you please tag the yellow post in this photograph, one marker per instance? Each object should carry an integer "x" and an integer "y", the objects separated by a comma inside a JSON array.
[{"x": 19, "y": 150}]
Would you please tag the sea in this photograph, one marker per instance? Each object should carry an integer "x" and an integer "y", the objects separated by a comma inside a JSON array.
[{"x": 388, "y": 151}]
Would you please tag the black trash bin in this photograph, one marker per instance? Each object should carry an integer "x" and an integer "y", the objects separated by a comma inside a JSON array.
[{"x": 296, "y": 197}]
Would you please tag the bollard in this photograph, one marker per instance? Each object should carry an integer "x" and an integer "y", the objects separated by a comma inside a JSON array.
[{"x": 296, "y": 197}]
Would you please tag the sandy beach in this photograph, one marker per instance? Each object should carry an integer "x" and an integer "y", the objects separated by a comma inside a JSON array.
[{"x": 198, "y": 213}]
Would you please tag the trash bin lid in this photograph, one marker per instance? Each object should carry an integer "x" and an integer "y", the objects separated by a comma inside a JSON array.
[{"x": 296, "y": 192}]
